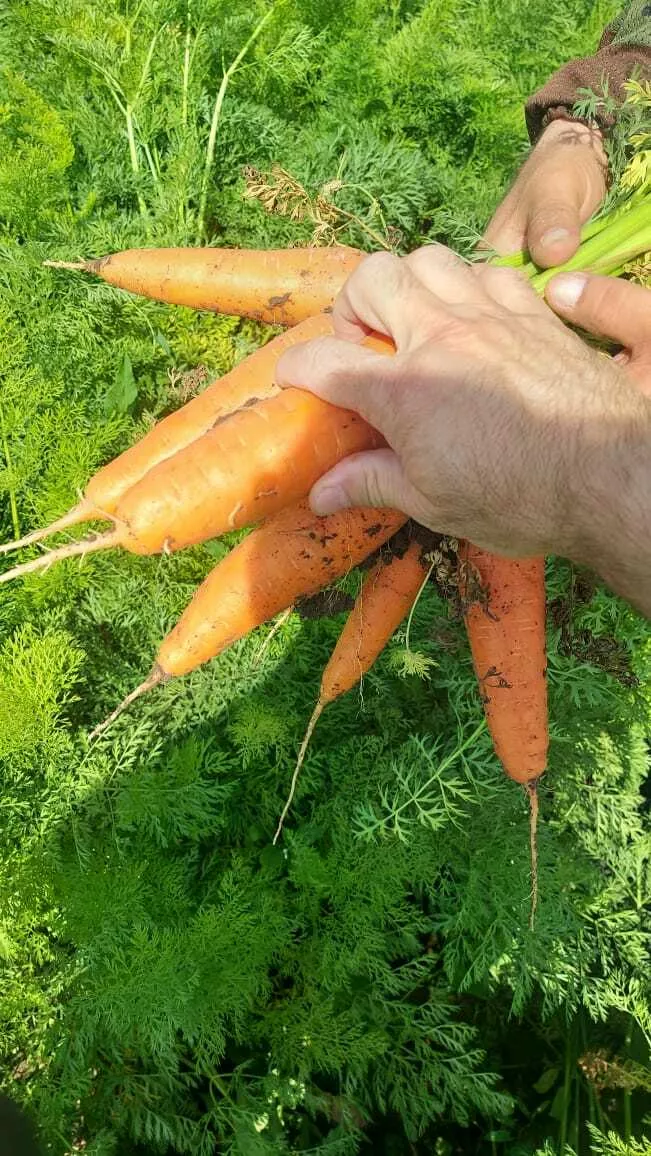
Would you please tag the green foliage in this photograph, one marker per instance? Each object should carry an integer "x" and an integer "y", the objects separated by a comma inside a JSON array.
[{"x": 170, "y": 982}]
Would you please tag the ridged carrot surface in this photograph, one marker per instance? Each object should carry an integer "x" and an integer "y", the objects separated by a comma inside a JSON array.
[
  {"x": 293, "y": 555},
  {"x": 251, "y": 380},
  {"x": 506, "y": 630},
  {"x": 278, "y": 286},
  {"x": 386, "y": 597},
  {"x": 248, "y": 467}
]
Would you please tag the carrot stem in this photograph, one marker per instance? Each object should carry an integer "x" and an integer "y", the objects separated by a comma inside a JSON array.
[
  {"x": 156, "y": 677},
  {"x": 73, "y": 549},
  {"x": 316, "y": 715}
]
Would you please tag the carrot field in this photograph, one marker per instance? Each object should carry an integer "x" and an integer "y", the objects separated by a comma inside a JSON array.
[{"x": 177, "y": 975}]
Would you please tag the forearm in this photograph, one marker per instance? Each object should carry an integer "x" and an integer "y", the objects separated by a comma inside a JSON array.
[{"x": 612, "y": 516}]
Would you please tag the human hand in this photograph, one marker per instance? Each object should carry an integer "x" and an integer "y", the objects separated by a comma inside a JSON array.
[
  {"x": 611, "y": 308},
  {"x": 555, "y": 193},
  {"x": 503, "y": 426}
]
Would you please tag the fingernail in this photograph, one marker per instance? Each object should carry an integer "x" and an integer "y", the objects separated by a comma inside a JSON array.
[
  {"x": 566, "y": 290},
  {"x": 554, "y": 237},
  {"x": 328, "y": 500}
]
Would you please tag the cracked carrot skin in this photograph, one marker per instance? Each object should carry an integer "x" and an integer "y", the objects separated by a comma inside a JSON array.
[
  {"x": 252, "y": 378},
  {"x": 277, "y": 286},
  {"x": 246, "y": 468},
  {"x": 294, "y": 554},
  {"x": 507, "y": 639}
]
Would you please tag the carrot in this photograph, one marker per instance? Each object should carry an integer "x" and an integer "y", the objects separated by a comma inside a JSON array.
[
  {"x": 251, "y": 464},
  {"x": 252, "y": 378},
  {"x": 506, "y": 631},
  {"x": 386, "y": 597},
  {"x": 277, "y": 286},
  {"x": 291, "y": 556}
]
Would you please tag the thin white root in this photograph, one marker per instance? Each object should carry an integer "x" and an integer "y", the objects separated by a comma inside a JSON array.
[
  {"x": 77, "y": 265},
  {"x": 278, "y": 625},
  {"x": 72, "y": 518},
  {"x": 74, "y": 549},
  {"x": 299, "y": 763},
  {"x": 155, "y": 678}
]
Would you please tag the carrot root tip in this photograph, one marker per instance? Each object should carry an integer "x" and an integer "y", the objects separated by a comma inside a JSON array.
[
  {"x": 81, "y": 266},
  {"x": 73, "y": 549},
  {"x": 316, "y": 715},
  {"x": 157, "y": 676},
  {"x": 79, "y": 513}
]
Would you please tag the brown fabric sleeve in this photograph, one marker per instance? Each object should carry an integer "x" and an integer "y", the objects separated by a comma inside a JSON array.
[{"x": 555, "y": 100}]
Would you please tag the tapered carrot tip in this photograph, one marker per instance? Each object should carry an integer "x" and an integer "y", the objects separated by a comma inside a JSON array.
[
  {"x": 81, "y": 265},
  {"x": 157, "y": 676},
  {"x": 79, "y": 513},
  {"x": 318, "y": 710},
  {"x": 532, "y": 791},
  {"x": 94, "y": 265},
  {"x": 73, "y": 549}
]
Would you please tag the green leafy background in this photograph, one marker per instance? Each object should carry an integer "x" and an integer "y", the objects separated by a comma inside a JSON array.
[{"x": 170, "y": 982}]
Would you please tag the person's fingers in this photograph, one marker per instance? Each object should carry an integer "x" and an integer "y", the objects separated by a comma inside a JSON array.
[
  {"x": 554, "y": 225},
  {"x": 605, "y": 306},
  {"x": 376, "y": 479},
  {"x": 561, "y": 201},
  {"x": 446, "y": 275},
  {"x": 509, "y": 288},
  {"x": 559, "y": 188},
  {"x": 385, "y": 296},
  {"x": 342, "y": 373}
]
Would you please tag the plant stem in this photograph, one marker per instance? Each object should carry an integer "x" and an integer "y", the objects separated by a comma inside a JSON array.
[
  {"x": 216, "y": 117},
  {"x": 447, "y": 762},
  {"x": 186, "y": 67},
  {"x": 623, "y": 236},
  {"x": 415, "y": 604},
  {"x": 12, "y": 493}
]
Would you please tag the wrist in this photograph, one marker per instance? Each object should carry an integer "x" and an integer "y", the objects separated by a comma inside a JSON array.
[{"x": 563, "y": 128}]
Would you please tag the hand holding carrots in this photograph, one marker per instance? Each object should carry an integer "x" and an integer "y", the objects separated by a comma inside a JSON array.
[
  {"x": 504, "y": 427},
  {"x": 608, "y": 307},
  {"x": 562, "y": 183}
]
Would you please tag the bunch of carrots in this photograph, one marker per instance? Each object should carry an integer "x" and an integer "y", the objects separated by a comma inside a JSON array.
[{"x": 246, "y": 453}]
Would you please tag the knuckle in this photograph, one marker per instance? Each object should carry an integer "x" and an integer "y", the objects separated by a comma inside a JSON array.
[{"x": 430, "y": 257}]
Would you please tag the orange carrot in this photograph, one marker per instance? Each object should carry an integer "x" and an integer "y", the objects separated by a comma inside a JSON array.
[
  {"x": 387, "y": 595},
  {"x": 291, "y": 556},
  {"x": 250, "y": 465},
  {"x": 252, "y": 378},
  {"x": 278, "y": 286},
  {"x": 506, "y": 630}
]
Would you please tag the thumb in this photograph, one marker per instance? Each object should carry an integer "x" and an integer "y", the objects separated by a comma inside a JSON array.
[
  {"x": 375, "y": 478},
  {"x": 604, "y": 306},
  {"x": 554, "y": 224},
  {"x": 562, "y": 194}
]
